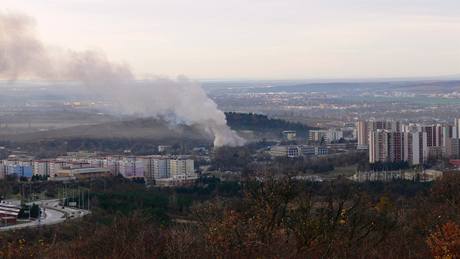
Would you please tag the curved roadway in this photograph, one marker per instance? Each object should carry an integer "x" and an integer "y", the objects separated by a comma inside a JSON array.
[{"x": 52, "y": 214}]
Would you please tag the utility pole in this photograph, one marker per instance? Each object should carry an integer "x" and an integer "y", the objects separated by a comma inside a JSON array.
[
  {"x": 90, "y": 184},
  {"x": 88, "y": 201},
  {"x": 79, "y": 197},
  {"x": 22, "y": 192},
  {"x": 65, "y": 195},
  {"x": 82, "y": 196}
]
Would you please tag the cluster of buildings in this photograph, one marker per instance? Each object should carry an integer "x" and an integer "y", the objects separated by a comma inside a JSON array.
[
  {"x": 81, "y": 165},
  {"x": 332, "y": 135},
  {"x": 320, "y": 142},
  {"x": 393, "y": 141}
]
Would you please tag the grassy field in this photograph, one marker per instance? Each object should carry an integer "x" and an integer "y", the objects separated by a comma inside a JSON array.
[{"x": 342, "y": 171}]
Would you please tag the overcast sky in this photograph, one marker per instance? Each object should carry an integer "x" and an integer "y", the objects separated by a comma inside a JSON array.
[{"x": 259, "y": 39}]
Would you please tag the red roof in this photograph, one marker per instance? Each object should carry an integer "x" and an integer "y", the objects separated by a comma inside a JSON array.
[{"x": 455, "y": 162}]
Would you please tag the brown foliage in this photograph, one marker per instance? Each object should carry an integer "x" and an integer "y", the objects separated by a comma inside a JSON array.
[
  {"x": 445, "y": 241},
  {"x": 275, "y": 218}
]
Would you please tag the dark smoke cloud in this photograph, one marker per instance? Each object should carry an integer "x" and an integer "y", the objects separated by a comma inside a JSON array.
[{"x": 23, "y": 56}]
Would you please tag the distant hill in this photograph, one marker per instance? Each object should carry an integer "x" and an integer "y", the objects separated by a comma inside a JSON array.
[{"x": 413, "y": 86}]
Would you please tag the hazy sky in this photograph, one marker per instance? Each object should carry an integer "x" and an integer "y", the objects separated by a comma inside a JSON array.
[{"x": 259, "y": 39}]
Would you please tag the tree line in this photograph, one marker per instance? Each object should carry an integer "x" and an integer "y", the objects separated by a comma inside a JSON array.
[{"x": 269, "y": 217}]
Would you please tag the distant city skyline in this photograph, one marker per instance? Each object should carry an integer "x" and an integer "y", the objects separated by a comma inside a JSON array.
[{"x": 290, "y": 39}]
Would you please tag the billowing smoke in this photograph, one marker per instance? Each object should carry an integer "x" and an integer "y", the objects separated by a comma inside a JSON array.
[{"x": 23, "y": 55}]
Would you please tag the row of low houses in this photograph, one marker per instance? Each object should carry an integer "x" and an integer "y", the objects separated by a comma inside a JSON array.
[
  {"x": 151, "y": 168},
  {"x": 387, "y": 176},
  {"x": 293, "y": 151},
  {"x": 332, "y": 135},
  {"x": 324, "y": 135},
  {"x": 8, "y": 213}
]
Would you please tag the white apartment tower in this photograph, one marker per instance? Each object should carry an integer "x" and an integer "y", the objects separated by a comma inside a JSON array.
[
  {"x": 415, "y": 147},
  {"x": 378, "y": 146},
  {"x": 456, "y": 131}
]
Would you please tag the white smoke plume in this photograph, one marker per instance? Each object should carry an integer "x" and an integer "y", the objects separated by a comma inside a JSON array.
[{"x": 23, "y": 55}]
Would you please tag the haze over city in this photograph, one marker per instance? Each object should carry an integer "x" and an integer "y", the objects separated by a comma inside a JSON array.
[{"x": 293, "y": 39}]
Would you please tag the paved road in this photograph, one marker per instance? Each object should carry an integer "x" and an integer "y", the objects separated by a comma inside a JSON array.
[{"x": 52, "y": 214}]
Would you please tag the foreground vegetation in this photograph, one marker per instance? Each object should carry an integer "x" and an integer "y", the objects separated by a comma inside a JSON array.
[{"x": 270, "y": 218}]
